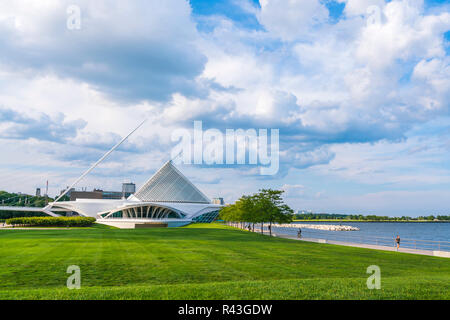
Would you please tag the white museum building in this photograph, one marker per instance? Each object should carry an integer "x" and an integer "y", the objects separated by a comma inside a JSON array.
[{"x": 168, "y": 198}]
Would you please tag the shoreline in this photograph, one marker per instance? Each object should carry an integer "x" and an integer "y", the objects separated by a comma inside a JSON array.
[
  {"x": 325, "y": 227},
  {"x": 385, "y": 221},
  {"x": 427, "y": 252},
  {"x": 435, "y": 253}
]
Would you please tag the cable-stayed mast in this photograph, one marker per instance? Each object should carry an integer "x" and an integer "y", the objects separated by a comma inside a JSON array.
[{"x": 98, "y": 162}]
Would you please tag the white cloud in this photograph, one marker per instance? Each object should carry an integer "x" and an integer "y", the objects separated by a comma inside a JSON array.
[
  {"x": 291, "y": 19},
  {"x": 343, "y": 95},
  {"x": 405, "y": 34},
  {"x": 360, "y": 7},
  {"x": 293, "y": 190},
  {"x": 397, "y": 203},
  {"x": 413, "y": 163},
  {"x": 128, "y": 50}
]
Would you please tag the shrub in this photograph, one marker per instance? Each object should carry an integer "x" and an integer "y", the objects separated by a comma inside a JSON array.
[{"x": 51, "y": 221}]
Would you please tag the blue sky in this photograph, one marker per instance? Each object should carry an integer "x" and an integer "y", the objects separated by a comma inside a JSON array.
[{"x": 359, "y": 90}]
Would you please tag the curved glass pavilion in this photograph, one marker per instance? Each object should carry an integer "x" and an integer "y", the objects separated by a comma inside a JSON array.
[{"x": 168, "y": 197}]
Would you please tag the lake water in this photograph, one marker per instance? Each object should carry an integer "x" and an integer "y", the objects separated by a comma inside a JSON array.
[{"x": 413, "y": 234}]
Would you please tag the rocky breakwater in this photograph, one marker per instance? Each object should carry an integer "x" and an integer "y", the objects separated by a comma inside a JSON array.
[{"x": 328, "y": 227}]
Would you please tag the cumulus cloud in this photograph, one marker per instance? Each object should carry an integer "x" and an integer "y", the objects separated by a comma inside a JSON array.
[
  {"x": 134, "y": 50},
  {"x": 356, "y": 81},
  {"x": 422, "y": 202},
  {"x": 301, "y": 158},
  {"x": 404, "y": 34},
  {"x": 15, "y": 125},
  {"x": 293, "y": 190},
  {"x": 433, "y": 83},
  {"x": 361, "y": 7},
  {"x": 293, "y": 19}
]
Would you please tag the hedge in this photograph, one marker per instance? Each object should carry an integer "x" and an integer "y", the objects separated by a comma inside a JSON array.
[{"x": 51, "y": 221}]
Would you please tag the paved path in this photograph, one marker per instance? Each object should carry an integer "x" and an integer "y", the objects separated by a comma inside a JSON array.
[
  {"x": 443, "y": 254},
  {"x": 360, "y": 245}
]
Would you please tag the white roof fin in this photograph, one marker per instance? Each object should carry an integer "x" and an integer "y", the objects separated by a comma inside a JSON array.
[{"x": 168, "y": 184}]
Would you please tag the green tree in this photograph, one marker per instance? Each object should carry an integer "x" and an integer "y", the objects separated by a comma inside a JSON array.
[
  {"x": 271, "y": 208},
  {"x": 265, "y": 206},
  {"x": 248, "y": 210}
]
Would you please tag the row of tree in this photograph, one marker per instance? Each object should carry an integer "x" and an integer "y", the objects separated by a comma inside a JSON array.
[
  {"x": 318, "y": 216},
  {"x": 21, "y": 200},
  {"x": 266, "y": 206}
]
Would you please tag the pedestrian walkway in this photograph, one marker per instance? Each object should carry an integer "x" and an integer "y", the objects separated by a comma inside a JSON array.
[{"x": 444, "y": 254}]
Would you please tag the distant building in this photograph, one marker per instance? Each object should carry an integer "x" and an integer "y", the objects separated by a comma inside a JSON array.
[
  {"x": 303, "y": 212},
  {"x": 113, "y": 195},
  {"x": 218, "y": 201},
  {"x": 96, "y": 194},
  {"x": 68, "y": 192},
  {"x": 128, "y": 188},
  {"x": 38, "y": 192}
]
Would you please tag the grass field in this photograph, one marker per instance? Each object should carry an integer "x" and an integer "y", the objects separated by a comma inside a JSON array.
[{"x": 205, "y": 262}]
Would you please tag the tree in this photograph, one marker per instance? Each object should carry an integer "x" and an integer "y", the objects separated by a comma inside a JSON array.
[
  {"x": 265, "y": 206},
  {"x": 271, "y": 208},
  {"x": 229, "y": 213},
  {"x": 248, "y": 210}
]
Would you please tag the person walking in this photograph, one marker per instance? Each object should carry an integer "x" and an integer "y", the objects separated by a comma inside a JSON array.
[
  {"x": 397, "y": 241},
  {"x": 299, "y": 233}
]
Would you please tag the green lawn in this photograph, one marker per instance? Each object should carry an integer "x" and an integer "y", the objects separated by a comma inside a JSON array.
[{"x": 205, "y": 262}]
